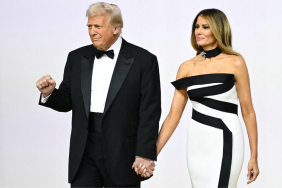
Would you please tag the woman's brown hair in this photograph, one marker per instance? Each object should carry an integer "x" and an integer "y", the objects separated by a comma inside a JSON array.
[{"x": 220, "y": 28}]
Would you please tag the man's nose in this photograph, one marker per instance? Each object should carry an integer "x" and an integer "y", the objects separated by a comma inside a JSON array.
[{"x": 93, "y": 31}]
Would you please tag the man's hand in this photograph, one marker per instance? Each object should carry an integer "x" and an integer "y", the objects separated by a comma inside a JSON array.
[
  {"x": 46, "y": 85},
  {"x": 144, "y": 166}
]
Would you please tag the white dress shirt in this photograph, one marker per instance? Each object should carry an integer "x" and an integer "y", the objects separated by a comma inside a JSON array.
[{"x": 101, "y": 78}]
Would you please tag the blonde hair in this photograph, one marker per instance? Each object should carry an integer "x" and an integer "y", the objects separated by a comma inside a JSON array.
[
  {"x": 115, "y": 18},
  {"x": 220, "y": 28}
]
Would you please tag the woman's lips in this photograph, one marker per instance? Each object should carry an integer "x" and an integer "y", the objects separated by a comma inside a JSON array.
[{"x": 200, "y": 38}]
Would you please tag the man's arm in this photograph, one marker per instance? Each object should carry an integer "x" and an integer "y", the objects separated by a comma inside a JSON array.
[
  {"x": 44, "y": 99},
  {"x": 150, "y": 111},
  {"x": 59, "y": 99},
  {"x": 149, "y": 116}
]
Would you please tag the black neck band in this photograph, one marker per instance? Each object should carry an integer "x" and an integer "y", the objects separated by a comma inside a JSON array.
[{"x": 211, "y": 53}]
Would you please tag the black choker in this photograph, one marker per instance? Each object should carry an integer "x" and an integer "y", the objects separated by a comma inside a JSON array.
[{"x": 211, "y": 53}]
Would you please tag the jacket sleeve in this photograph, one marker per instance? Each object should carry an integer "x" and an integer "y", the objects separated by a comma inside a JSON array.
[
  {"x": 60, "y": 99},
  {"x": 149, "y": 112}
]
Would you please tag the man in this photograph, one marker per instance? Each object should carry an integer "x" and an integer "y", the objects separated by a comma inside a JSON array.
[{"x": 113, "y": 90}]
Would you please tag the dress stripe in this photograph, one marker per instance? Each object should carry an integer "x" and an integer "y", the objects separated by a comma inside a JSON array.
[
  {"x": 212, "y": 90},
  {"x": 202, "y": 79},
  {"x": 227, "y": 144},
  {"x": 218, "y": 105}
]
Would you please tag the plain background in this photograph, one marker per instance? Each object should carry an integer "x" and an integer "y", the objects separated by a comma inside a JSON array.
[{"x": 36, "y": 37}]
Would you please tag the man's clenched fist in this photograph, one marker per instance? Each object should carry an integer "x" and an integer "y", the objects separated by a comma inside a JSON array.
[{"x": 46, "y": 85}]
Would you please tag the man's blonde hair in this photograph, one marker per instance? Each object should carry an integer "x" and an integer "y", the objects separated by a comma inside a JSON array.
[{"x": 112, "y": 10}]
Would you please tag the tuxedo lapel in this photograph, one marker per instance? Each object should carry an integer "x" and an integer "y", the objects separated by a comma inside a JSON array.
[
  {"x": 87, "y": 61},
  {"x": 122, "y": 67}
]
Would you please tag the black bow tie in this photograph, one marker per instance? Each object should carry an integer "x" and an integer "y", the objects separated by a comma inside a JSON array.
[{"x": 109, "y": 53}]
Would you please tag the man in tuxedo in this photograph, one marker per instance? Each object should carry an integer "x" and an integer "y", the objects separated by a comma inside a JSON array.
[{"x": 113, "y": 90}]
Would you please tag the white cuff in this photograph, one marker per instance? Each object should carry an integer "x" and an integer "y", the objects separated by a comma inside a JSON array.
[{"x": 44, "y": 99}]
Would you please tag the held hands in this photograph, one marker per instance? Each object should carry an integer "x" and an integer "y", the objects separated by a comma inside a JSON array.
[
  {"x": 253, "y": 170},
  {"x": 46, "y": 85},
  {"x": 144, "y": 167}
]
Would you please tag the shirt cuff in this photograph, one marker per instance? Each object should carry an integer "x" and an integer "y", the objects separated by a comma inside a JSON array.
[
  {"x": 44, "y": 99},
  {"x": 139, "y": 156}
]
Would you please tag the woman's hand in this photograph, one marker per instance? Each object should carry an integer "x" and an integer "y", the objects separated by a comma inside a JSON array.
[
  {"x": 253, "y": 170},
  {"x": 144, "y": 167}
]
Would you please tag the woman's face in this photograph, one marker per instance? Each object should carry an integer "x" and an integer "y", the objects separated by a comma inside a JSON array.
[{"x": 204, "y": 35}]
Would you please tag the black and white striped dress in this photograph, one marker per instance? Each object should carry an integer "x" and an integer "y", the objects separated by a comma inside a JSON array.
[{"x": 215, "y": 143}]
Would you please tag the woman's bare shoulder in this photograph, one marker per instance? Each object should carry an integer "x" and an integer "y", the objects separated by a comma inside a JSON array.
[
  {"x": 236, "y": 64},
  {"x": 189, "y": 63},
  {"x": 186, "y": 67},
  {"x": 234, "y": 60}
]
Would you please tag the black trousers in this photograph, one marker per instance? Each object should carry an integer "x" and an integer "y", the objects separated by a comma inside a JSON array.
[{"x": 92, "y": 171}]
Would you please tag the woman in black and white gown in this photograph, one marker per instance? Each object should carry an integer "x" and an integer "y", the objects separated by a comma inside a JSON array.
[{"x": 214, "y": 80}]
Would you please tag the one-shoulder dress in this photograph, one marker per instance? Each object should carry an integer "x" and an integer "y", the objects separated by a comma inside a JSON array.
[{"x": 215, "y": 141}]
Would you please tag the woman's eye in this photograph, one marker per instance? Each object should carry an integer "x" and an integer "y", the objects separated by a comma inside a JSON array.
[
  {"x": 197, "y": 27},
  {"x": 206, "y": 27}
]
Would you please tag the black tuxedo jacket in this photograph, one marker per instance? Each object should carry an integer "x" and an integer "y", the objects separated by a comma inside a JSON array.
[{"x": 132, "y": 111}]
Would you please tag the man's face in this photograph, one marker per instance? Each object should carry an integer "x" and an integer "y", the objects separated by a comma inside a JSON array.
[{"x": 102, "y": 34}]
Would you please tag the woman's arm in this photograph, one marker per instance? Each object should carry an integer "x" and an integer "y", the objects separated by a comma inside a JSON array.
[
  {"x": 177, "y": 107},
  {"x": 248, "y": 114}
]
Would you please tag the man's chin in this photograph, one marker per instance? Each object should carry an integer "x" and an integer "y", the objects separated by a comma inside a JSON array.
[{"x": 95, "y": 44}]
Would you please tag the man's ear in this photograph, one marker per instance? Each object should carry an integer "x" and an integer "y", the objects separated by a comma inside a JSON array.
[{"x": 116, "y": 30}]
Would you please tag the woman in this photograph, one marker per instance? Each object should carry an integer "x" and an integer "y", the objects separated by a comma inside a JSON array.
[{"x": 215, "y": 79}]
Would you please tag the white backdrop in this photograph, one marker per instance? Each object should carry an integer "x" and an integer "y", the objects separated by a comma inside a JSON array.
[{"x": 36, "y": 37}]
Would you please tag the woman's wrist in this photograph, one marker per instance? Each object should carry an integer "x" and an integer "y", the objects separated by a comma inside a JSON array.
[{"x": 254, "y": 156}]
